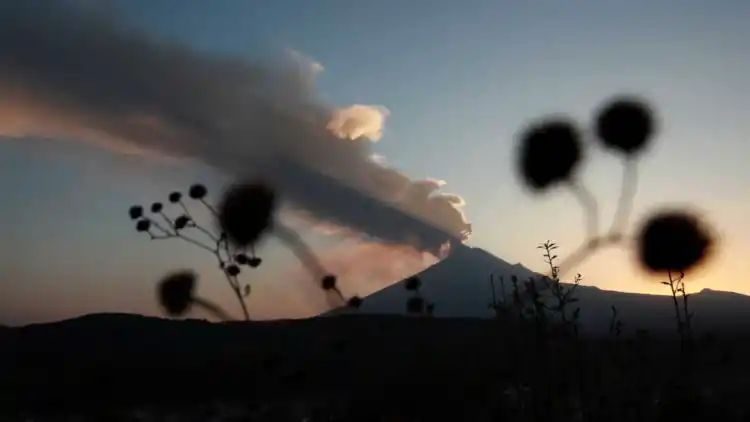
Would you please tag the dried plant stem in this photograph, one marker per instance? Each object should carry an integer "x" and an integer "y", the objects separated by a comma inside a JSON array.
[
  {"x": 300, "y": 249},
  {"x": 674, "y": 287},
  {"x": 590, "y": 208},
  {"x": 304, "y": 254},
  {"x": 627, "y": 196},
  {"x": 234, "y": 284},
  {"x": 211, "y": 308},
  {"x": 216, "y": 250}
]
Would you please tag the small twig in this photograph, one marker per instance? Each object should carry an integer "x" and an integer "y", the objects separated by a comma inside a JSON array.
[
  {"x": 184, "y": 208},
  {"x": 204, "y": 230},
  {"x": 210, "y": 207}
]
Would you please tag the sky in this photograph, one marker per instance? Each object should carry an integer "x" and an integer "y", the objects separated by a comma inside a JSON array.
[{"x": 459, "y": 80}]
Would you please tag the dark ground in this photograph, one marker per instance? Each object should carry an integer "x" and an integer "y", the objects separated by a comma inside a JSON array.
[{"x": 126, "y": 367}]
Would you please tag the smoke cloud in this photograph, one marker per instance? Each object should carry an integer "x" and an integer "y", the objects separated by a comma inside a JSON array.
[
  {"x": 358, "y": 121},
  {"x": 70, "y": 74}
]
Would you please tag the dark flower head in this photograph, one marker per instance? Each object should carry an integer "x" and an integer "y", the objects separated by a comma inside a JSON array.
[
  {"x": 625, "y": 125},
  {"x": 549, "y": 153},
  {"x": 328, "y": 282},
  {"x": 175, "y": 197},
  {"x": 176, "y": 291},
  {"x": 156, "y": 207},
  {"x": 143, "y": 225},
  {"x": 241, "y": 259},
  {"x": 136, "y": 211},
  {"x": 246, "y": 212},
  {"x": 233, "y": 270},
  {"x": 254, "y": 262},
  {"x": 415, "y": 305},
  {"x": 197, "y": 191},
  {"x": 181, "y": 222},
  {"x": 354, "y": 302},
  {"x": 412, "y": 283},
  {"x": 673, "y": 241}
]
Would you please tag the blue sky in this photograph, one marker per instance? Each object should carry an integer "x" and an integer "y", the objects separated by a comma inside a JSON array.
[{"x": 460, "y": 80}]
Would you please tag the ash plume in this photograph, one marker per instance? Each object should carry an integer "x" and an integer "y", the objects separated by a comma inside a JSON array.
[{"x": 70, "y": 73}]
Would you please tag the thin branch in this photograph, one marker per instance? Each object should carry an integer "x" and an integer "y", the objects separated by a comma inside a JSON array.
[
  {"x": 235, "y": 285},
  {"x": 157, "y": 225},
  {"x": 184, "y": 208},
  {"x": 627, "y": 195},
  {"x": 210, "y": 207},
  {"x": 204, "y": 230},
  {"x": 166, "y": 218},
  {"x": 300, "y": 249},
  {"x": 590, "y": 209}
]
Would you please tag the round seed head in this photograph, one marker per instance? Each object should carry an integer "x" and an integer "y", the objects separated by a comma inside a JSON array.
[
  {"x": 673, "y": 241},
  {"x": 328, "y": 282},
  {"x": 233, "y": 270},
  {"x": 412, "y": 283},
  {"x": 143, "y": 225},
  {"x": 354, "y": 302},
  {"x": 176, "y": 291},
  {"x": 549, "y": 153},
  {"x": 246, "y": 212},
  {"x": 625, "y": 125},
  {"x": 135, "y": 212},
  {"x": 197, "y": 191},
  {"x": 181, "y": 222}
]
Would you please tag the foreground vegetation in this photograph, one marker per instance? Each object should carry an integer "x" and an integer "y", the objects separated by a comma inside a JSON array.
[{"x": 378, "y": 368}]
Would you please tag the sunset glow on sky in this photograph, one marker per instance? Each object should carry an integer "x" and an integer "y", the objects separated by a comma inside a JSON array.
[{"x": 459, "y": 80}]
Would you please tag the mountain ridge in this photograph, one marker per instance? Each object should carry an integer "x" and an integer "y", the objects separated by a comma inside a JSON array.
[{"x": 459, "y": 286}]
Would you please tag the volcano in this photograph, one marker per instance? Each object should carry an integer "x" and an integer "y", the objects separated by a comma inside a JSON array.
[{"x": 459, "y": 287}]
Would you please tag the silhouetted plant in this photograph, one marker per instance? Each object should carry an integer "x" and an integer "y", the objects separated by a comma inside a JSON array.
[
  {"x": 245, "y": 215},
  {"x": 562, "y": 294},
  {"x": 673, "y": 242},
  {"x": 160, "y": 225},
  {"x": 669, "y": 242},
  {"x": 537, "y": 310},
  {"x": 497, "y": 307},
  {"x": 517, "y": 300},
  {"x": 615, "y": 324},
  {"x": 549, "y": 153},
  {"x": 416, "y": 304},
  {"x": 177, "y": 294}
]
